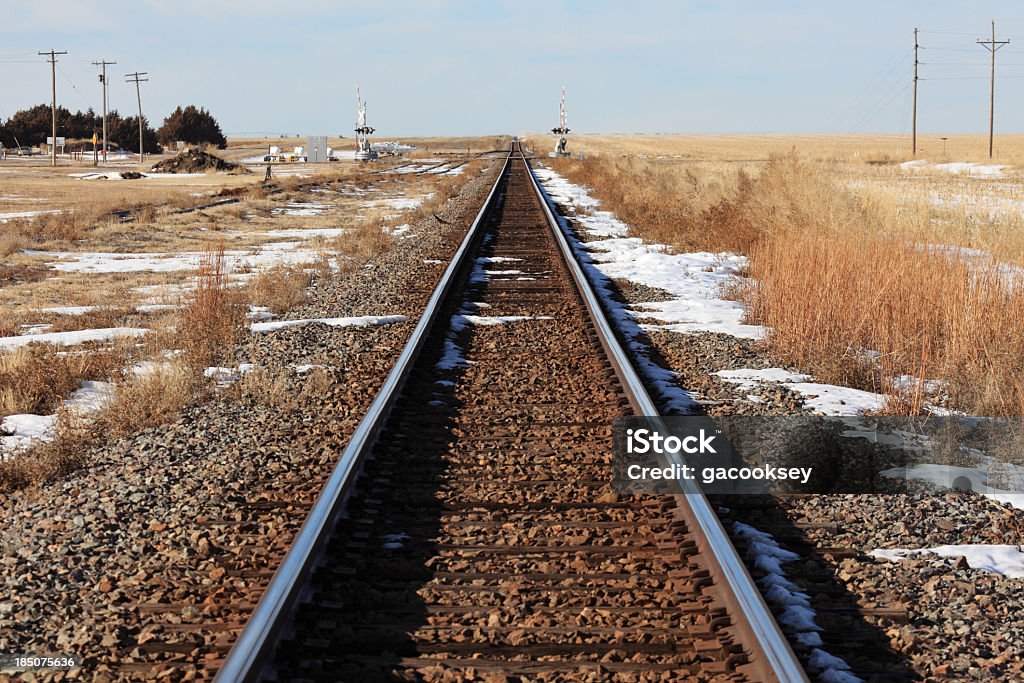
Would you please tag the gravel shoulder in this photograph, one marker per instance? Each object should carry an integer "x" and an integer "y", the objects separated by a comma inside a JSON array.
[{"x": 148, "y": 562}]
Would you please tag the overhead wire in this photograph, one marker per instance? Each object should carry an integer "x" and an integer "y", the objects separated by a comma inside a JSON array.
[{"x": 876, "y": 82}]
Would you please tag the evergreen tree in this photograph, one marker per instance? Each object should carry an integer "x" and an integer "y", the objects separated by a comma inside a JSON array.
[{"x": 193, "y": 126}]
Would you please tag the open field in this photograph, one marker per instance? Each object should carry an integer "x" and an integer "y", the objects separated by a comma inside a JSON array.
[
  {"x": 874, "y": 148},
  {"x": 915, "y": 266},
  {"x": 119, "y": 271}
]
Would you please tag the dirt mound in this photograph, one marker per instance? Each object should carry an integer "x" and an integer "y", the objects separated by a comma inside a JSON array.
[{"x": 196, "y": 161}]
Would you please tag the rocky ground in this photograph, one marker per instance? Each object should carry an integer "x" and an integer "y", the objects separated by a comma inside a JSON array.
[{"x": 148, "y": 562}]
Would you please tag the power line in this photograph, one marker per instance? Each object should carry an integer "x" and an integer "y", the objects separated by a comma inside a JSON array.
[
  {"x": 136, "y": 78},
  {"x": 992, "y": 46},
  {"x": 103, "y": 64},
  {"x": 876, "y": 80},
  {"x": 913, "y": 134},
  {"x": 53, "y": 104},
  {"x": 74, "y": 87}
]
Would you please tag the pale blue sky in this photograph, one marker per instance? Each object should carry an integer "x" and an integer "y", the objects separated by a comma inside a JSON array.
[{"x": 467, "y": 67}]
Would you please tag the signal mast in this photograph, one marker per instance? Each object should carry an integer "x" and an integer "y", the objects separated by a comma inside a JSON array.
[
  {"x": 364, "y": 152},
  {"x": 561, "y": 131}
]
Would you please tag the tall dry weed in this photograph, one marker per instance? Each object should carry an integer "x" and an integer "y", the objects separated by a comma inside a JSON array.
[
  {"x": 853, "y": 286},
  {"x": 214, "y": 321}
]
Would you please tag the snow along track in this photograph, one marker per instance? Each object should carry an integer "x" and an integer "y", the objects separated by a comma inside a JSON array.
[{"x": 469, "y": 525}]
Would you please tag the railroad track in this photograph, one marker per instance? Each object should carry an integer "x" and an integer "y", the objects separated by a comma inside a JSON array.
[{"x": 470, "y": 532}]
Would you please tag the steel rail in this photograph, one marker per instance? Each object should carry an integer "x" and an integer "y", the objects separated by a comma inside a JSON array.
[
  {"x": 744, "y": 594},
  {"x": 254, "y": 647}
]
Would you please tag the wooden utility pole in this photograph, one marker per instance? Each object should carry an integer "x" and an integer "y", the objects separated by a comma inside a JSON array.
[
  {"x": 53, "y": 102},
  {"x": 102, "y": 64},
  {"x": 136, "y": 78},
  {"x": 992, "y": 46},
  {"x": 913, "y": 134}
]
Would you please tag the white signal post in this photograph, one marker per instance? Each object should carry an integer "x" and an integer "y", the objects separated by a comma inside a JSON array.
[
  {"x": 562, "y": 130},
  {"x": 364, "y": 152}
]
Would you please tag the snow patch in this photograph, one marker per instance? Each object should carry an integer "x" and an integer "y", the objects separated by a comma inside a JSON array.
[
  {"x": 22, "y": 431},
  {"x": 103, "y": 334},
  {"x": 954, "y": 168},
  {"x": 794, "y": 603},
  {"x": 825, "y": 399},
  {"x": 1007, "y": 560}
]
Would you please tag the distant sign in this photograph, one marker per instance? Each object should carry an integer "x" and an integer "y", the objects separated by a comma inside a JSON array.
[
  {"x": 316, "y": 149},
  {"x": 60, "y": 140}
]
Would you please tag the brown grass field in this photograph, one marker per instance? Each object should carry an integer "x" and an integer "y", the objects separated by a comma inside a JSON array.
[
  {"x": 923, "y": 268},
  {"x": 200, "y": 315},
  {"x": 1008, "y": 149}
]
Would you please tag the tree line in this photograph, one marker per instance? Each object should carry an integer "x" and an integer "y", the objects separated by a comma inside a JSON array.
[{"x": 30, "y": 127}]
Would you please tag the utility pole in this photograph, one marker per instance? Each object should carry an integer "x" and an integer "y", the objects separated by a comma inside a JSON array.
[
  {"x": 992, "y": 46},
  {"x": 102, "y": 64},
  {"x": 136, "y": 78},
  {"x": 913, "y": 134},
  {"x": 53, "y": 104}
]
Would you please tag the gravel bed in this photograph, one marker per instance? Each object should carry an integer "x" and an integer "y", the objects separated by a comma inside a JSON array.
[{"x": 148, "y": 562}]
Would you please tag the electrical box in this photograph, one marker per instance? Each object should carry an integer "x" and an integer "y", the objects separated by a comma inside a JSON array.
[{"x": 316, "y": 149}]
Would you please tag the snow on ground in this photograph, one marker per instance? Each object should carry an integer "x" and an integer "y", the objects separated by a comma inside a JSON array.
[
  {"x": 955, "y": 168},
  {"x": 400, "y": 203},
  {"x": 301, "y": 233},
  {"x": 301, "y": 209},
  {"x": 424, "y": 165},
  {"x": 21, "y": 198},
  {"x": 975, "y": 478},
  {"x": 452, "y": 357},
  {"x": 400, "y": 230},
  {"x": 5, "y": 217},
  {"x": 827, "y": 399},
  {"x": 1007, "y": 560},
  {"x": 694, "y": 280},
  {"x": 792, "y": 602},
  {"x": 303, "y": 368},
  {"x": 22, "y": 431},
  {"x": 225, "y": 376},
  {"x": 287, "y": 253},
  {"x": 358, "y": 321},
  {"x": 82, "y": 310},
  {"x": 102, "y": 334},
  {"x": 695, "y": 305}
]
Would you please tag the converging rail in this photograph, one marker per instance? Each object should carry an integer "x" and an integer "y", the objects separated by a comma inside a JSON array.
[{"x": 469, "y": 530}]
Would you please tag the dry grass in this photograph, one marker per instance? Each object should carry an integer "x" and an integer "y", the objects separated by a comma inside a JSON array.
[
  {"x": 282, "y": 389},
  {"x": 36, "y": 378},
  {"x": 838, "y": 273},
  {"x": 871, "y": 149},
  {"x": 280, "y": 288},
  {"x": 679, "y": 206},
  {"x": 149, "y": 399},
  {"x": 929, "y": 313},
  {"x": 65, "y": 453},
  {"x": 359, "y": 245},
  {"x": 214, "y": 321}
]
